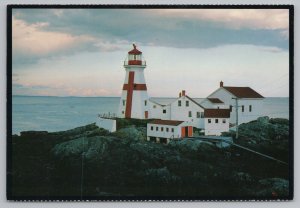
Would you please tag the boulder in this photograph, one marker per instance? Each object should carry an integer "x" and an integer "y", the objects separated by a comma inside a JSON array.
[
  {"x": 91, "y": 147},
  {"x": 265, "y": 129},
  {"x": 131, "y": 134},
  {"x": 187, "y": 145}
]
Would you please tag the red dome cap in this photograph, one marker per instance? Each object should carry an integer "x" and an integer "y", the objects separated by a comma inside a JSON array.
[{"x": 134, "y": 51}]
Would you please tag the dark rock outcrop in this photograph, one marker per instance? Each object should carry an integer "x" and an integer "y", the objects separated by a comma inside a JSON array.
[{"x": 123, "y": 163}]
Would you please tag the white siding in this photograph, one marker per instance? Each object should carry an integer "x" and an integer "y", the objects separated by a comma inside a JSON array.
[
  {"x": 156, "y": 111},
  {"x": 164, "y": 133},
  {"x": 121, "y": 112},
  {"x": 138, "y": 97},
  {"x": 181, "y": 113},
  {"x": 246, "y": 116},
  {"x": 139, "y": 77},
  {"x": 214, "y": 128}
]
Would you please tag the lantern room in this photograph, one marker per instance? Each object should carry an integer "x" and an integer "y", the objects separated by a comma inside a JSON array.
[{"x": 135, "y": 57}]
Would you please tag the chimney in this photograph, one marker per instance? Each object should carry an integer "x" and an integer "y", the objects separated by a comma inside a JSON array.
[
  {"x": 183, "y": 92},
  {"x": 221, "y": 84},
  {"x": 180, "y": 94}
]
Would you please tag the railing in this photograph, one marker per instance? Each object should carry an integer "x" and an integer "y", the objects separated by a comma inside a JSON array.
[
  {"x": 107, "y": 115},
  {"x": 135, "y": 62}
]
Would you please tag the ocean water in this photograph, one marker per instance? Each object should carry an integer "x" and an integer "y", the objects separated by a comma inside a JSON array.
[{"x": 43, "y": 113}]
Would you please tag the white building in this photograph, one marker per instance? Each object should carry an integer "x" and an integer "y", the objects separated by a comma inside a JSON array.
[
  {"x": 187, "y": 109},
  {"x": 216, "y": 121},
  {"x": 159, "y": 111},
  {"x": 213, "y": 114},
  {"x": 163, "y": 130},
  {"x": 134, "y": 99},
  {"x": 247, "y": 101},
  {"x": 213, "y": 103}
]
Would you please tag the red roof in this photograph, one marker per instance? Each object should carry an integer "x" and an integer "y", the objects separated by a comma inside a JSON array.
[
  {"x": 135, "y": 51},
  {"x": 217, "y": 113},
  {"x": 215, "y": 100},
  {"x": 166, "y": 122},
  {"x": 243, "y": 92}
]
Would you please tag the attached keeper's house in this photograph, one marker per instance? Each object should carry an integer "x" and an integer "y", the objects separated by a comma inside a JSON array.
[{"x": 163, "y": 131}]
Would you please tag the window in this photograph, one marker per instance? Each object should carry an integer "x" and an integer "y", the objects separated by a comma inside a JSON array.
[
  {"x": 187, "y": 103},
  {"x": 243, "y": 108},
  {"x": 198, "y": 114},
  {"x": 151, "y": 128},
  {"x": 250, "y": 108},
  {"x": 172, "y": 129},
  {"x": 156, "y": 128},
  {"x": 124, "y": 101},
  {"x": 154, "y": 106},
  {"x": 209, "y": 120},
  {"x": 216, "y": 120},
  {"x": 145, "y": 102},
  {"x": 179, "y": 102},
  {"x": 230, "y": 107},
  {"x": 164, "y": 110},
  {"x": 167, "y": 129},
  {"x": 190, "y": 113},
  {"x": 162, "y": 128},
  {"x": 224, "y": 120},
  {"x": 202, "y": 115},
  {"x": 122, "y": 112}
]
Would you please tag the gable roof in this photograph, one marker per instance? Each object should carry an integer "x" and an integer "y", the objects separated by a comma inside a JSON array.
[
  {"x": 152, "y": 101},
  {"x": 215, "y": 100},
  {"x": 166, "y": 122},
  {"x": 191, "y": 99},
  {"x": 243, "y": 92},
  {"x": 216, "y": 113}
]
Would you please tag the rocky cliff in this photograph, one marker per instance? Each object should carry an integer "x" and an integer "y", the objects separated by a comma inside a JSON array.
[{"x": 94, "y": 162}]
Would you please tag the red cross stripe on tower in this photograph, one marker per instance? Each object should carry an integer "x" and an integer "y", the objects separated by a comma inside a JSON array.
[{"x": 130, "y": 87}]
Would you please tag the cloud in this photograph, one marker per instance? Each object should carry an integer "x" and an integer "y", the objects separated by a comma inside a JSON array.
[
  {"x": 30, "y": 38},
  {"x": 34, "y": 41},
  {"x": 236, "y": 18},
  {"x": 45, "y": 90},
  {"x": 271, "y": 49},
  {"x": 55, "y": 33},
  {"x": 181, "y": 28}
]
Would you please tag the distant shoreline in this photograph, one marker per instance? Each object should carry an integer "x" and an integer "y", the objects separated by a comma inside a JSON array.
[{"x": 103, "y": 96}]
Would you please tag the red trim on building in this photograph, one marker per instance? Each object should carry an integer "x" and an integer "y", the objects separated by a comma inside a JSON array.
[
  {"x": 166, "y": 122},
  {"x": 135, "y": 87},
  {"x": 129, "y": 95},
  {"x": 134, "y": 62},
  {"x": 135, "y": 52}
]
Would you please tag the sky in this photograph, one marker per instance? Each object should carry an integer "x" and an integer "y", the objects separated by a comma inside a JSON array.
[{"x": 80, "y": 52}]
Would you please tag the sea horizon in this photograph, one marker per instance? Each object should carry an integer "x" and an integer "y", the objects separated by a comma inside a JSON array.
[
  {"x": 57, "y": 113},
  {"x": 112, "y": 96}
]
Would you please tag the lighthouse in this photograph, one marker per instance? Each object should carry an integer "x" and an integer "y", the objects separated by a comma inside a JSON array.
[{"x": 134, "y": 99}]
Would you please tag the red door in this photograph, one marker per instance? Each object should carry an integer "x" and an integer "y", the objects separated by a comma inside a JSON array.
[
  {"x": 182, "y": 132},
  {"x": 190, "y": 131},
  {"x": 146, "y": 114}
]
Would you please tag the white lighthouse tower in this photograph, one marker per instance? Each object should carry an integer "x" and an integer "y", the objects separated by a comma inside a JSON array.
[{"x": 134, "y": 100}]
